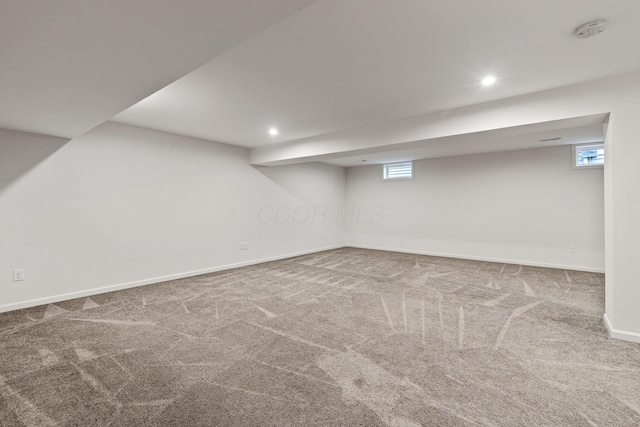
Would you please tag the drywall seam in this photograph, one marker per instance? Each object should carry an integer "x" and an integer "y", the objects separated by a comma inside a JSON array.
[{"x": 143, "y": 282}]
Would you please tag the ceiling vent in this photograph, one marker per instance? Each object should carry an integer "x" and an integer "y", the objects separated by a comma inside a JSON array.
[
  {"x": 557, "y": 138},
  {"x": 591, "y": 29}
]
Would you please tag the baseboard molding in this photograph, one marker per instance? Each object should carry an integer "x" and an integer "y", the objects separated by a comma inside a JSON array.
[
  {"x": 476, "y": 258},
  {"x": 121, "y": 286},
  {"x": 618, "y": 334},
  {"x": 111, "y": 288}
]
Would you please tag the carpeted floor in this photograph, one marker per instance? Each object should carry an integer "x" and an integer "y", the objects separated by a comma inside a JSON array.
[{"x": 346, "y": 337}]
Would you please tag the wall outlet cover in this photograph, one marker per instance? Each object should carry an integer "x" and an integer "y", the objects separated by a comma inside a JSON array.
[{"x": 18, "y": 275}]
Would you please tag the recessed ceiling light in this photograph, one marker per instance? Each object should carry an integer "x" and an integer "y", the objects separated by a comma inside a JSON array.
[
  {"x": 273, "y": 132},
  {"x": 488, "y": 81}
]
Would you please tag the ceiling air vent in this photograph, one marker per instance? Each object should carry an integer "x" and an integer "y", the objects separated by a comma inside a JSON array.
[{"x": 557, "y": 138}]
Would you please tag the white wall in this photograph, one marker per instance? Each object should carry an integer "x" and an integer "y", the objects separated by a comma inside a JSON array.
[
  {"x": 526, "y": 206},
  {"x": 121, "y": 206}
]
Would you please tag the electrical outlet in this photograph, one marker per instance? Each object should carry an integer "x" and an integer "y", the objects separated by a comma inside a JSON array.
[
  {"x": 572, "y": 249},
  {"x": 18, "y": 275},
  {"x": 244, "y": 246}
]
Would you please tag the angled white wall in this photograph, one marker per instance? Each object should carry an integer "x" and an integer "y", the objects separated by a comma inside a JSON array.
[
  {"x": 123, "y": 206},
  {"x": 526, "y": 206}
]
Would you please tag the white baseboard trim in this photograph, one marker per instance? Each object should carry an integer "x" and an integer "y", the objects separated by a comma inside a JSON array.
[
  {"x": 121, "y": 286},
  {"x": 618, "y": 334},
  {"x": 476, "y": 258}
]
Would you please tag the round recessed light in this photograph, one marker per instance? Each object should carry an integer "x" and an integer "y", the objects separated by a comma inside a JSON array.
[
  {"x": 488, "y": 81},
  {"x": 273, "y": 132}
]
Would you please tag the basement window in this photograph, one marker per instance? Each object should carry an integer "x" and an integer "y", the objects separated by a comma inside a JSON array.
[
  {"x": 397, "y": 171},
  {"x": 588, "y": 155}
]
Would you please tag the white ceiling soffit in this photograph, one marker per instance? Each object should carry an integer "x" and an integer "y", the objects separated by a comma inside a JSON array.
[
  {"x": 539, "y": 135},
  {"x": 69, "y": 65},
  {"x": 568, "y": 131},
  {"x": 340, "y": 64}
]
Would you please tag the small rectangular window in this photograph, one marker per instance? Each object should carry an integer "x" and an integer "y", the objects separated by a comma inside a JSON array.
[
  {"x": 393, "y": 171},
  {"x": 588, "y": 155}
]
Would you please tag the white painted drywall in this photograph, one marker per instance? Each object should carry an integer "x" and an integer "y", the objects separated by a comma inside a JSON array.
[
  {"x": 597, "y": 97},
  {"x": 121, "y": 206},
  {"x": 525, "y": 206}
]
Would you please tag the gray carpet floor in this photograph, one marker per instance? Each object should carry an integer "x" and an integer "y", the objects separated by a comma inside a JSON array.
[{"x": 347, "y": 337}]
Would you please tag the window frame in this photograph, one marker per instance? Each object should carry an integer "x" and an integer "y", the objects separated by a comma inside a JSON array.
[
  {"x": 385, "y": 168},
  {"x": 577, "y": 147}
]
